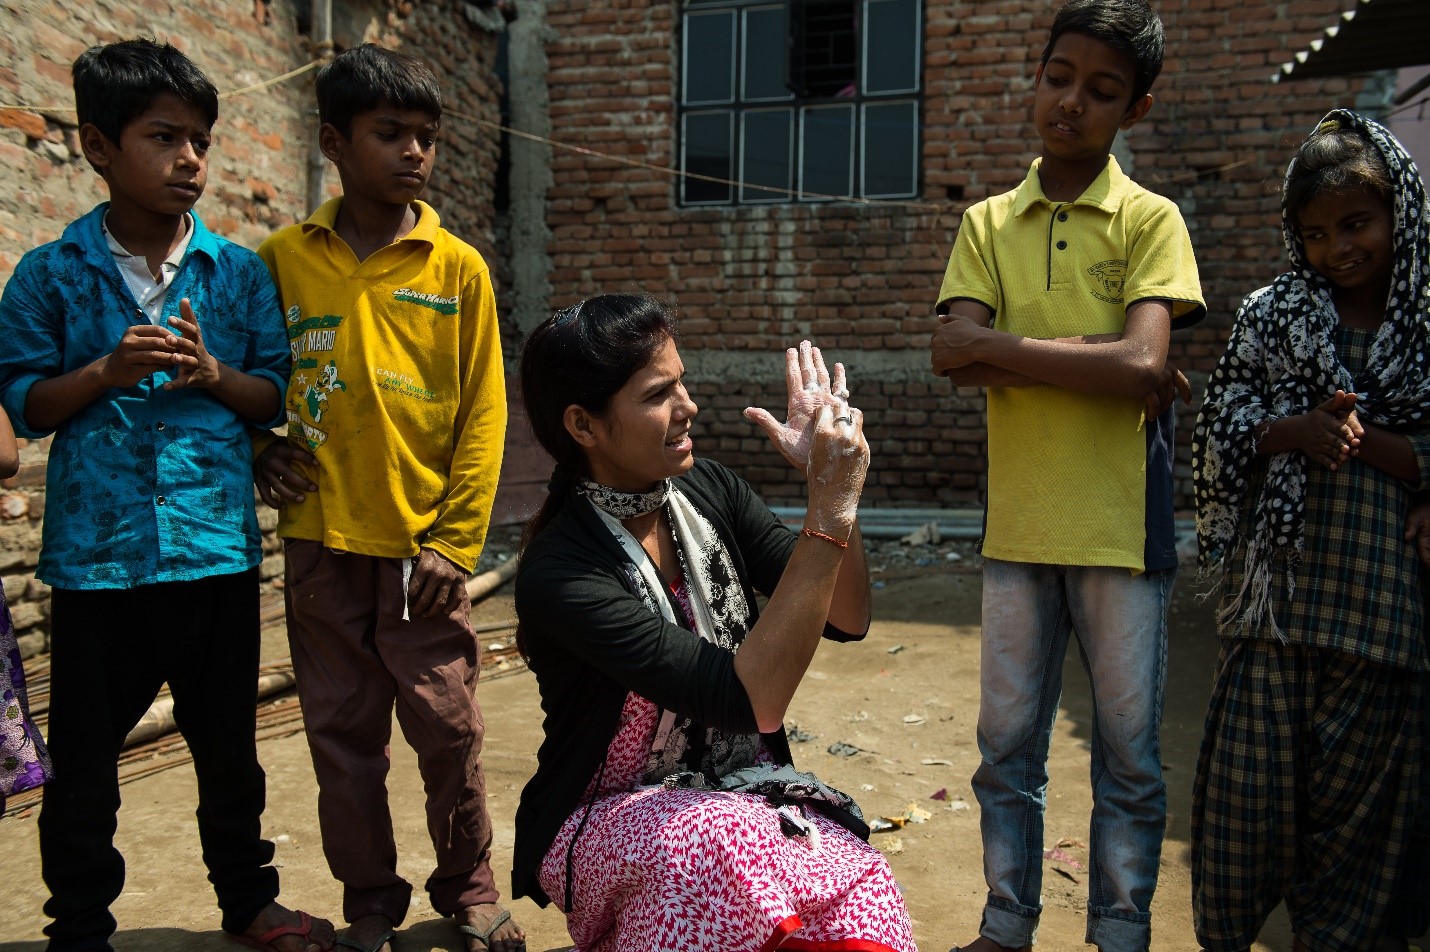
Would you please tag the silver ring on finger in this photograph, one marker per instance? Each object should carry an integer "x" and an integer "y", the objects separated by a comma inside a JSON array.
[{"x": 844, "y": 419}]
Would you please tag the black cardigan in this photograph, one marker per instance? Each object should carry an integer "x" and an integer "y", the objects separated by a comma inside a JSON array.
[{"x": 591, "y": 641}]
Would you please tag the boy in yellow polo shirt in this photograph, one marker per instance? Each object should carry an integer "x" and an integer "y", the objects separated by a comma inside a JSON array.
[
  {"x": 396, "y": 414},
  {"x": 1059, "y": 298}
]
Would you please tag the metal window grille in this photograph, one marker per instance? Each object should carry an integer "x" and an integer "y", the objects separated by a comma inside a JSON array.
[{"x": 799, "y": 100}]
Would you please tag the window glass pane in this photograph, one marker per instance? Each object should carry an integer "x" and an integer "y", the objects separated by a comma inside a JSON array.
[
  {"x": 707, "y": 151},
  {"x": 709, "y": 57},
  {"x": 827, "y": 150},
  {"x": 891, "y": 46},
  {"x": 765, "y": 54},
  {"x": 768, "y": 142},
  {"x": 826, "y": 49},
  {"x": 891, "y": 137}
]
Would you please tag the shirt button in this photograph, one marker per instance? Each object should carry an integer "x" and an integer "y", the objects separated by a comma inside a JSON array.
[
  {"x": 1062, "y": 245},
  {"x": 1062, "y": 216},
  {"x": 158, "y": 500}
]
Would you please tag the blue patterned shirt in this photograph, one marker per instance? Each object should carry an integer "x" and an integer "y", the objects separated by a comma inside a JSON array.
[{"x": 144, "y": 485}]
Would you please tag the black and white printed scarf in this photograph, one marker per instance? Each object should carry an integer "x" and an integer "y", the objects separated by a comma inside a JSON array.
[
  {"x": 722, "y": 617},
  {"x": 624, "y": 505},
  {"x": 1281, "y": 361}
]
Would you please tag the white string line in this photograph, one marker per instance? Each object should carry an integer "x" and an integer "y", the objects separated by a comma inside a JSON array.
[{"x": 637, "y": 163}]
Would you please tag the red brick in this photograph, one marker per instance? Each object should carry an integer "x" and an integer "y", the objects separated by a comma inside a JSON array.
[{"x": 31, "y": 124}]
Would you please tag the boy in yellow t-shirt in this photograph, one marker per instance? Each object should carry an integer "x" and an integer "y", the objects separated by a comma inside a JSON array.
[
  {"x": 1059, "y": 298},
  {"x": 396, "y": 414}
]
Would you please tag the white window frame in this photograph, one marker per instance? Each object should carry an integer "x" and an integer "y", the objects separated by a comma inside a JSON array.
[{"x": 740, "y": 106}]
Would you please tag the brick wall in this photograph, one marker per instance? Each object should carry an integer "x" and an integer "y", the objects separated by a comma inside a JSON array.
[
  {"x": 861, "y": 279},
  {"x": 748, "y": 280},
  {"x": 257, "y": 169}
]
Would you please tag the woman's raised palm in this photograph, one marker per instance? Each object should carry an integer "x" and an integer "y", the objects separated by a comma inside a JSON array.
[{"x": 810, "y": 389}]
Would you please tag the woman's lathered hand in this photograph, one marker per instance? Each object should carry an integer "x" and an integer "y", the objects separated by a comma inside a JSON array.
[{"x": 810, "y": 388}]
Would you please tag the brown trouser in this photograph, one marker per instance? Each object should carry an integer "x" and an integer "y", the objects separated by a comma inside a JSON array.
[{"x": 354, "y": 657}]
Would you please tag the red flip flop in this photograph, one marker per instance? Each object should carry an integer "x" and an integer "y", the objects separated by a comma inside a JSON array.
[{"x": 264, "y": 943}]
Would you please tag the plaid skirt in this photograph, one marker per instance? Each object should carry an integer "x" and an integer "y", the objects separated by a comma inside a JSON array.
[
  {"x": 1409, "y": 915},
  {"x": 1305, "y": 791}
]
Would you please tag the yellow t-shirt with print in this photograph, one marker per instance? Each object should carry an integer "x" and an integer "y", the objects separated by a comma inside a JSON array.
[
  {"x": 1067, "y": 471},
  {"x": 397, "y": 388}
]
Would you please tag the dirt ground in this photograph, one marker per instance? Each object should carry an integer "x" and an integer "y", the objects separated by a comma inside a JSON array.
[{"x": 906, "y": 697}]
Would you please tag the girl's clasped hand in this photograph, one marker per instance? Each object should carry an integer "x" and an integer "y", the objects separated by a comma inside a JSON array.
[{"x": 1330, "y": 434}]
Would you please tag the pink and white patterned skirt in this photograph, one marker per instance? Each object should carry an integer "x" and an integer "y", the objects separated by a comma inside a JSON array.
[{"x": 683, "y": 870}]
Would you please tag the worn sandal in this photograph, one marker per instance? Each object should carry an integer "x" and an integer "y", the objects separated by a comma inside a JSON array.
[
  {"x": 486, "y": 937},
  {"x": 264, "y": 943},
  {"x": 387, "y": 936}
]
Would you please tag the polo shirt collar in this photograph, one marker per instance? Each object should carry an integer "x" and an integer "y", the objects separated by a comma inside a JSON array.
[
  {"x": 326, "y": 218},
  {"x": 1106, "y": 192}
]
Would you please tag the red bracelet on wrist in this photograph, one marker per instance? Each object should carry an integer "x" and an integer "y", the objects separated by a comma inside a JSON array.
[{"x": 816, "y": 534}]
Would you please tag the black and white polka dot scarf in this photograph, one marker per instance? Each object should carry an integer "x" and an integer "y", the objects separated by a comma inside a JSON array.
[{"x": 1281, "y": 361}]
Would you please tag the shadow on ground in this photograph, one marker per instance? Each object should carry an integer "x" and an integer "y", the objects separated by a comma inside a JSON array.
[{"x": 434, "y": 935}]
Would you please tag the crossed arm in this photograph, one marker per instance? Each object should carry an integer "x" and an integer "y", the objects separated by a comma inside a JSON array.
[{"x": 1133, "y": 363}]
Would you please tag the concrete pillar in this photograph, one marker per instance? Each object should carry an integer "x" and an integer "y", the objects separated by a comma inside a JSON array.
[{"x": 530, "y": 293}]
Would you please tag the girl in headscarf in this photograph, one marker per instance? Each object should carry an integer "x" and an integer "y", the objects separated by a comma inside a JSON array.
[{"x": 1311, "y": 441}]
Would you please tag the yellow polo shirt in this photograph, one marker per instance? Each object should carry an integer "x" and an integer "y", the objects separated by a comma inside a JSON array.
[
  {"x": 397, "y": 388},
  {"x": 1067, "y": 471}
]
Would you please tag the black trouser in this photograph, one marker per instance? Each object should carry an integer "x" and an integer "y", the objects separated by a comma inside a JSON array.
[{"x": 111, "y": 651}]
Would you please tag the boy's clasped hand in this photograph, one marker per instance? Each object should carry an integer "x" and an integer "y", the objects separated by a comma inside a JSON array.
[{"x": 148, "y": 348}]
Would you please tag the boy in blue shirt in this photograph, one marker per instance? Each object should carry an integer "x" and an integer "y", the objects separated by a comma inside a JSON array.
[
  {"x": 148, "y": 346},
  {"x": 1060, "y": 297}
]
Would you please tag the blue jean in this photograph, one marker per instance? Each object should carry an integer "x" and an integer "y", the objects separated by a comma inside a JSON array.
[{"x": 1121, "y": 623}]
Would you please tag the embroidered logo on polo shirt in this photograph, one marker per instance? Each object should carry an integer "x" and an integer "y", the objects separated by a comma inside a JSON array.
[
  {"x": 442, "y": 305},
  {"x": 1109, "y": 274}
]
